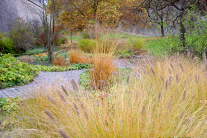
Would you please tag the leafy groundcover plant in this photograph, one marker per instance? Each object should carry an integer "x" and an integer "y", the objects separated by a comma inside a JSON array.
[
  {"x": 13, "y": 72},
  {"x": 164, "y": 97}
]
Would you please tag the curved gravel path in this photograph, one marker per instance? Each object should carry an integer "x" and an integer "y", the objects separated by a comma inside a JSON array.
[
  {"x": 44, "y": 80},
  {"x": 53, "y": 80}
]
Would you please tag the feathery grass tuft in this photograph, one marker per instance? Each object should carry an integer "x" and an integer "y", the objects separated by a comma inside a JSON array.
[
  {"x": 76, "y": 57},
  {"x": 102, "y": 71},
  {"x": 141, "y": 107},
  {"x": 59, "y": 61}
]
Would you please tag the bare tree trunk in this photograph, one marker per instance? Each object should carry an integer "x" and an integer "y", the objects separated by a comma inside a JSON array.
[
  {"x": 182, "y": 27},
  {"x": 47, "y": 27},
  {"x": 51, "y": 35},
  {"x": 51, "y": 53},
  {"x": 162, "y": 24},
  {"x": 71, "y": 36},
  {"x": 162, "y": 27}
]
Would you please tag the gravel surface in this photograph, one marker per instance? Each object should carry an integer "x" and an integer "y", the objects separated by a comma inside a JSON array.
[{"x": 43, "y": 81}]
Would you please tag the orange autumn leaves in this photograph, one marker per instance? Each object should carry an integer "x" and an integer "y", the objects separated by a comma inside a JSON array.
[{"x": 75, "y": 14}]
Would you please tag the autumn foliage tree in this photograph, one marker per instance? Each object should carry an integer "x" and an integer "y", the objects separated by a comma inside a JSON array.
[
  {"x": 78, "y": 13},
  {"x": 72, "y": 15},
  {"x": 133, "y": 13}
]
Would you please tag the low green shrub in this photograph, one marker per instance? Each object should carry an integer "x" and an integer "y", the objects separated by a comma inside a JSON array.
[
  {"x": 8, "y": 104},
  {"x": 6, "y": 45},
  {"x": 91, "y": 45},
  {"x": 60, "y": 40},
  {"x": 85, "y": 80},
  {"x": 62, "y": 68},
  {"x": 135, "y": 44},
  {"x": 87, "y": 45},
  {"x": 22, "y": 35},
  {"x": 14, "y": 72},
  {"x": 39, "y": 58},
  {"x": 38, "y": 50},
  {"x": 35, "y": 50}
]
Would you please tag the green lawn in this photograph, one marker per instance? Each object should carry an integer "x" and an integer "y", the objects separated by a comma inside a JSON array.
[
  {"x": 75, "y": 37},
  {"x": 156, "y": 45}
]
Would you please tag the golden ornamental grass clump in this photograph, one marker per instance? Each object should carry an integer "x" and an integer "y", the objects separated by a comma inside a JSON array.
[
  {"x": 59, "y": 61},
  {"x": 164, "y": 97},
  {"x": 103, "y": 68},
  {"x": 76, "y": 57}
]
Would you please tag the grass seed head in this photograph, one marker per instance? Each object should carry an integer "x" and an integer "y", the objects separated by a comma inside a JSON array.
[
  {"x": 62, "y": 97},
  {"x": 63, "y": 134},
  {"x": 64, "y": 90},
  {"x": 51, "y": 99}
]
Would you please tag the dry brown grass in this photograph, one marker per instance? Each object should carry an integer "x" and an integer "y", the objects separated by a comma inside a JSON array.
[
  {"x": 103, "y": 67},
  {"x": 26, "y": 58},
  {"x": 102, "y": 71},
  {"x": 76, "y": 57},
  {"x": 59, "y": 61},
  {"x": 42, "y": 54}
]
